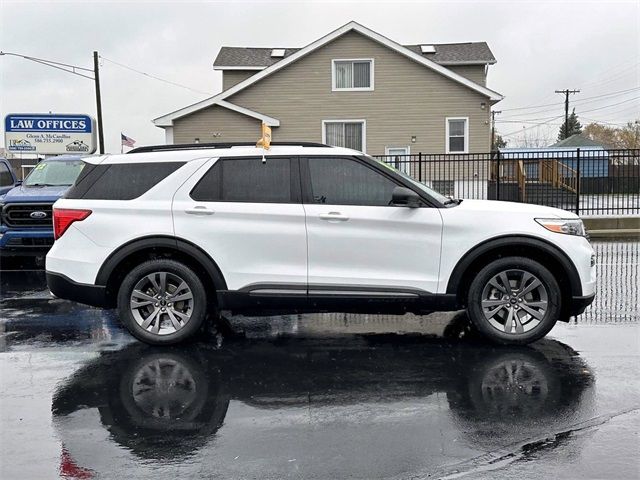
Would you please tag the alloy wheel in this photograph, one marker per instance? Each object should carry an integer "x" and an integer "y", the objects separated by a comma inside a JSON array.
[
  {"x": 161, "y": 303},
  {"x": 514, "y": 301}
]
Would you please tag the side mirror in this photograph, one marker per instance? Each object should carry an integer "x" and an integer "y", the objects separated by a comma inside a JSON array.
[
  {"x": 18, "y": 183},
  {"x": 403, "y": 197}
]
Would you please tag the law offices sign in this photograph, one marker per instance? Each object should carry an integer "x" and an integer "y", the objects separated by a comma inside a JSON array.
[{"x": 49, "y": 134}]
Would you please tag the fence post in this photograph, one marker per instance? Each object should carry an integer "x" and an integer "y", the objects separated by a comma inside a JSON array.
[
  {"x": 497, "y": 154},
  {"x": 578, "y": 181},
  {"x": 419, "y": 166}
]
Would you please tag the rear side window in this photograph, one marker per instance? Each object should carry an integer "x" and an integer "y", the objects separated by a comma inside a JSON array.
[
  {"x": 247, "y": 180},
  {"x": 120, "y": 181}
]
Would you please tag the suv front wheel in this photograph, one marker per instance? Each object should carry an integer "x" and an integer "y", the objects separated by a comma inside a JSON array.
[
  {"x": 162, "y": 302},
  {"x": 514, "y": 300}
]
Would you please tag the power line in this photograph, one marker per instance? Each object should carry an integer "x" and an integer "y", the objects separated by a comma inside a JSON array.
[
  {"x": 580, "y": 101},
  {"x": 532, "y": 126},
  {"x": 612, "y": 105},
  {"x": 175, "y": 84}
]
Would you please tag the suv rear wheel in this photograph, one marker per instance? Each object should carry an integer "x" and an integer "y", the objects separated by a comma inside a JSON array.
[
  {"x": 514, "y": 300},
  {"x": 162, "y": 302}
]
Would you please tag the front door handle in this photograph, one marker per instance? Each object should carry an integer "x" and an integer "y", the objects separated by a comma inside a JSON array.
[
  {"x": 199, "y": 210},
  {"x": 333, "y": 217}
]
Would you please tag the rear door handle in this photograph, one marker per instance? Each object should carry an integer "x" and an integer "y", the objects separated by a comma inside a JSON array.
[
  {"x": 333, "y": 217},
  {"x": 199, "y": 210}
]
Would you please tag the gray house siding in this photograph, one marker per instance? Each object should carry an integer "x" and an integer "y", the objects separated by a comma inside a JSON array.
[
  {"x": 233, "y": 77},
  {"x": 216, "y": 124},
  {"x": 408, "y": 100},
  {"x": 475, "y": 73}
]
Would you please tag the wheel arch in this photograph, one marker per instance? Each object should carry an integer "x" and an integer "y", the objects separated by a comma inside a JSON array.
[
  {"x": 136, "y": 251},
  {"x": 537, "y": 249}
]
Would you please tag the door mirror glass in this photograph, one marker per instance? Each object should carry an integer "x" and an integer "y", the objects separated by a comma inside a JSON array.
[{"x": 403, "y": 197}]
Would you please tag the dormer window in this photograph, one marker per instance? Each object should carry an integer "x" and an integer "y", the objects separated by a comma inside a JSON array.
[
  {"x": 277, "y": 53},
  {"x": 427, "y": 49},
  {"x": 352, "y": 74}
]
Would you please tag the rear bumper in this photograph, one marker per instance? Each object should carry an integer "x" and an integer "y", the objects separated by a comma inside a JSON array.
[
  {"x": 580, "y": 304},
  {"x": 63, "y": 287}
]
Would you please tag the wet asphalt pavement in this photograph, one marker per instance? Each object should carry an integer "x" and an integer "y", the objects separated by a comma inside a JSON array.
[{"x": 319, "y": 396}]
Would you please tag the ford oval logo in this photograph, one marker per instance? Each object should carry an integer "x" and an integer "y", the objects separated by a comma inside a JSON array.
[{"x": 38, "y": 214}]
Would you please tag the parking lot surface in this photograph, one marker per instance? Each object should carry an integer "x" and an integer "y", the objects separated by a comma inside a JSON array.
[{"x": 319, "y": 396}]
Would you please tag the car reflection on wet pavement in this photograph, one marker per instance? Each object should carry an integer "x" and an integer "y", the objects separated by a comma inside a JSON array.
[{"x": 310, "y": 396}]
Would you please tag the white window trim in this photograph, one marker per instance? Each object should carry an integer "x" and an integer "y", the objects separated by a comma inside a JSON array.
[
  {"x": 340, "y": 120},
  {"x": 466, "y": 134},
  {"x": 391, "y": 147},
  {"x": 354, "y": 89}
]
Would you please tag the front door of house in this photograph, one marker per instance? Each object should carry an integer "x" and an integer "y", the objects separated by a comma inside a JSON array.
[{"x": 399, "y": 158}]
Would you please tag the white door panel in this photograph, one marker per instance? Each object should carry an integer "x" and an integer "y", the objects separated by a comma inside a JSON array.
[
  {"x": 250, "y": 242},
  {"x": 374, "y": 246}
]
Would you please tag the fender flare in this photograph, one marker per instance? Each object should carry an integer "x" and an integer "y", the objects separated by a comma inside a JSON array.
[
  {"x": 509, "y": 241},
  {"x": 161, "y": 241}
]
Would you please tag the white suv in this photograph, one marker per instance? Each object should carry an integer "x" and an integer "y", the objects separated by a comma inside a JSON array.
[{"x": 171, "y": 235}]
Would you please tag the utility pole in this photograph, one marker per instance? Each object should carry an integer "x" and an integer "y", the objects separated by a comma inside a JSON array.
[
  {"x": 96, "y": 77},
  {"x": 566, "y": 93},
  {"x": 493, "y": 128}
]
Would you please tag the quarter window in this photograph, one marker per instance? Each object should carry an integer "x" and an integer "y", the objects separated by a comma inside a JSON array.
[
  {"x": 120, "y": 181},
  {"x": 457, "y": 131},
  {"x": 352, "y": 74},
  {"x": 248, "y": 180},
  {"x": 348, "y": 134},
  {"x": 343, "y": 181}
]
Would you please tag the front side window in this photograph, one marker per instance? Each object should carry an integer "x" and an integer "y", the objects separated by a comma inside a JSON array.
[
  {"x": 344, "y": 181},
  {"x": 54, "y": 173},
  {"x": 348, "y": 134},
  {"x": 457, "y": 135},
  {"x": 352, "y": 74},
  {"x": 249, "y": 180},
  {"x": 5, "y": 176}
]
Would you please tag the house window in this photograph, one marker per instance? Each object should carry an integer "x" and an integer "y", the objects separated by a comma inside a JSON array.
[
  {"x": 344, "y": 133},
  {"x": 352, "y": 75},
  {"x": 457, "y": 135}
]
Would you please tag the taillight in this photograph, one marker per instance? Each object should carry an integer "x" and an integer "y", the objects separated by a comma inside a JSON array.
[{"x": 64, "y": 217}]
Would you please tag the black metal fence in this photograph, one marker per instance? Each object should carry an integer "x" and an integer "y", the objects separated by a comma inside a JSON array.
[{"x": 586, "y": 181}]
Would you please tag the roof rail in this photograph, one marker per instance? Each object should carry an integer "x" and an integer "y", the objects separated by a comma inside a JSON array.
[{"x": 203, "y": 146}]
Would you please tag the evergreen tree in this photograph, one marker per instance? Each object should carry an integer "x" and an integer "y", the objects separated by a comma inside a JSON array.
[{"x": 571, "y": 127}]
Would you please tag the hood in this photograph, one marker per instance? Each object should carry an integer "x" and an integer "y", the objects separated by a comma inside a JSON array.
[
  {"x": 23, "y": 193},
  {"x": 515, "y": 207}
]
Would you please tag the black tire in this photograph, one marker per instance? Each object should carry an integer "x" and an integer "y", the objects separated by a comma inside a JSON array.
[
  {"x": 197, "y": 311},
  {"x": 513, "y": 264}
]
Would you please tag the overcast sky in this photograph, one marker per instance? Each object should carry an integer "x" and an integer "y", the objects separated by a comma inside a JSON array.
[{"x": 540, "y": 47}]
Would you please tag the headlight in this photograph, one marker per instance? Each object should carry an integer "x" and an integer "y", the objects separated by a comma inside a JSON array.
[{"x": 569, "y": 226}]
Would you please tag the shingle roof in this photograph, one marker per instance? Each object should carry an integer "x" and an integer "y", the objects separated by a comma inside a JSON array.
[
  {"x": 446, "y": 53},
  {"x": 577, "y": 140}
]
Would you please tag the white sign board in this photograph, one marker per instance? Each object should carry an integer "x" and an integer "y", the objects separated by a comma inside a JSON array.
[{"x": 49, "y": 134}]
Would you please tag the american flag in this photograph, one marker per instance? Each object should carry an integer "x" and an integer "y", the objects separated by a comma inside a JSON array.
[{"x": 126, "y": 141}]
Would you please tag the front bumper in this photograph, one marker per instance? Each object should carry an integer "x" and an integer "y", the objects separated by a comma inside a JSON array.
[
  {"x": 26, "y": 243},
  {"x": 580, "y": 304},
  {"x": 63, "y": 287}
]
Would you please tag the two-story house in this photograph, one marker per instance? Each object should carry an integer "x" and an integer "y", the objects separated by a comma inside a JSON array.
[{"x": 353, "y": 88}]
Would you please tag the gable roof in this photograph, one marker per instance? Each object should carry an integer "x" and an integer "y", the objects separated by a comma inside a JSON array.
[
  {"x": 577, "y": 140},
  {"x": 258, "y": 58},
  {"x": 167, "y": 120}
]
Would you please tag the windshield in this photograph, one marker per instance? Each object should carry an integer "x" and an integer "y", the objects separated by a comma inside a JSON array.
[
  {"x": 429, "y": 191},
  {"x": 56, "y": 173}
]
